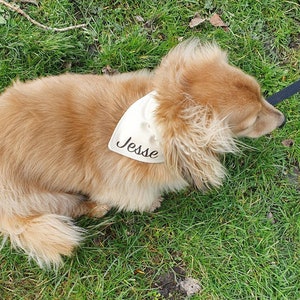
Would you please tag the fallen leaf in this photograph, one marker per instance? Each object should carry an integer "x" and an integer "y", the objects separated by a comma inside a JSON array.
[
  {"x": 108, "y": 70},
  {"x": 270, "y": 216},
  {"x": 216, "y": 21},
  {"x": 161, "y": 36},
  {"x": 149, "y": 24},
  {"x": 197, "y": 20},
  {"x": 288, "y": 143},
  {"x": 139, "y": 19},
  {"x": 138, "y": 271}
]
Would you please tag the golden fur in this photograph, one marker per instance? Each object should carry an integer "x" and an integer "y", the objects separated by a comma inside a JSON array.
[{"x": 55, "y": 131}]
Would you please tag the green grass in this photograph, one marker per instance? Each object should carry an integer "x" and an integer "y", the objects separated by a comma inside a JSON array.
[{"x": 241, "y": 241}]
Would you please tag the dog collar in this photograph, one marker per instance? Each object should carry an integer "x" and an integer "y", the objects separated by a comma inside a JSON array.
[{"x": 136, "y": 135}]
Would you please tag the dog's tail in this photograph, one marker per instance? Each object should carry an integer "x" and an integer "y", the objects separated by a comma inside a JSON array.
[{"x": 45, "y": 238}]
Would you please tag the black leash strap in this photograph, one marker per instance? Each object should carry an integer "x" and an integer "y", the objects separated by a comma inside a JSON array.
[{"x": 285, "y": 93}]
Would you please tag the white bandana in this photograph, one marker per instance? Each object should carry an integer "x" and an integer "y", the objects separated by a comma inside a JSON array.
[{"x": 136, "y": 135}]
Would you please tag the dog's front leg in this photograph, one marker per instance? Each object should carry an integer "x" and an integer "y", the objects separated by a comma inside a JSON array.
[
  {"x": 91, "y": 209},
  {"x": 156, "y": 204}
]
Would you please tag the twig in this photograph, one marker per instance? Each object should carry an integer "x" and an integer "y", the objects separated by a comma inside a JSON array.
[{"x": 21, "y": 12}]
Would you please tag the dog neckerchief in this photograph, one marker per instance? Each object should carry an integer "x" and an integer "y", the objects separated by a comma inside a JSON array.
[{"x": 136, "y": 135}]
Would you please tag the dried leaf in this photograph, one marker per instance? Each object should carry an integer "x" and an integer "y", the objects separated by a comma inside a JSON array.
[
  {"x": 108, "y": 70},
  {"x": 270, "y": 216},
  {"x": 149, "y": 24},
  {"x": 139, "y": 19},
  {"x": 216, "y": 21},
  {"x": 161, "y": 36},
  {"x": 138, "y": 271},
  {"x": 288, "y": 143},
  {"x": 197, "y": 20}
]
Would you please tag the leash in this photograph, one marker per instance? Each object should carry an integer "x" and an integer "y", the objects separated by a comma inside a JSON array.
[{"x": 284, "y": 93}]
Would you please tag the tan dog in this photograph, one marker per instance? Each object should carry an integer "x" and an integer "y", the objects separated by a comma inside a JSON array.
[{"x": 55, "y": 133}]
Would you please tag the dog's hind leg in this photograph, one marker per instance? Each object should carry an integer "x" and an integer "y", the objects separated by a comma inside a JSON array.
[
  {"x": 72, "y": 205},
  {"x": 45, "y": 238}
]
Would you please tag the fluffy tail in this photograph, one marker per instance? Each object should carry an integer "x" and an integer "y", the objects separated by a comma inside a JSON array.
[{"x": 45, "y": 238}]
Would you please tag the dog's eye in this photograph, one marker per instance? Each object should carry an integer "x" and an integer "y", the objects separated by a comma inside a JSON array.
[
  {"x": 254, "y": 120},
  {"x": 251, "y": 122}
]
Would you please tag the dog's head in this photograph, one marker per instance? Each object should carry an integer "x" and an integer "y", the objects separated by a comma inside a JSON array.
[{"x": 204, "y": 104}]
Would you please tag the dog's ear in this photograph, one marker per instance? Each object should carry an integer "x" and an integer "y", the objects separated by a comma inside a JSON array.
[
  {"x": 193, "y": 144},
  {"x": 187, "y": 60}
]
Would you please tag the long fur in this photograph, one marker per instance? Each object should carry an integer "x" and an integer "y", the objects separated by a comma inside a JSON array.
[
  {"x": 55, "y": 131},
  {"x": 197, "y": 155},
  {"x": 44, "y": 238}
]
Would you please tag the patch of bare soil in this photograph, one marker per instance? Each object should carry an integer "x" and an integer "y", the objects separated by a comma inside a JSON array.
[
  {"x": 295, "y": 42},
  {"x": 174, "y": 285}
]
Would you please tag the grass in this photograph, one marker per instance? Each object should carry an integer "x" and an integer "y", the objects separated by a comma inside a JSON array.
[{"x": 241, "y": 241}]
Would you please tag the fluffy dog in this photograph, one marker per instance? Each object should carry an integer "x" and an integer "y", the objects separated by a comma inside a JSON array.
[{"x": 55, "y": 135}]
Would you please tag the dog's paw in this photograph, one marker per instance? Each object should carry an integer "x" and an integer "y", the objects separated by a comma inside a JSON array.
[
  {"x": 156, "y": 204},
  {"x": 99, "y": 210}
]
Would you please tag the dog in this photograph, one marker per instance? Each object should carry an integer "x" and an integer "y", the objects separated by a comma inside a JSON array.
[{"x": 120, "y": 140}]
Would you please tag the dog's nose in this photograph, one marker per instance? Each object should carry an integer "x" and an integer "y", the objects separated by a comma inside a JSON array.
[{"x": 283, "y": 122}]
